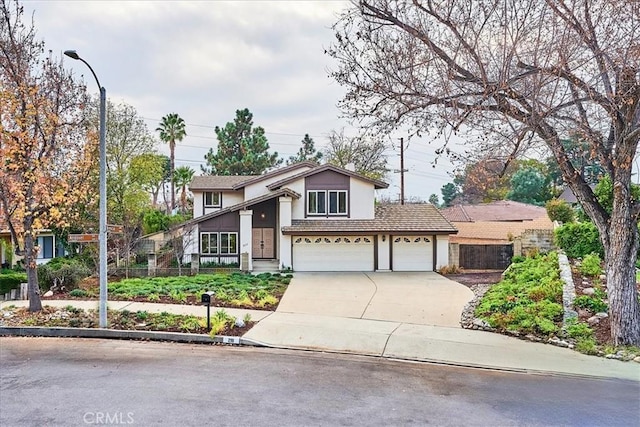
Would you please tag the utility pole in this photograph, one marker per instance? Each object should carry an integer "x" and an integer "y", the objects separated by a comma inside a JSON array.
[{"x": 402, "y": 171}]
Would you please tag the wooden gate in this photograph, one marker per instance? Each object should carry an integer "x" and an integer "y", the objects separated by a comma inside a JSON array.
[{"x": 486, "y": 257}]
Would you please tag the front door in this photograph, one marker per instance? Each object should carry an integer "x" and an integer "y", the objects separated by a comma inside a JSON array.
[{"x": 263, "y": 243}]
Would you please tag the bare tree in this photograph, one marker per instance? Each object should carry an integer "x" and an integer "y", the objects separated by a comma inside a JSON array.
[
  {"x": 365, "y": 154},
  {"x": 540, "y": 69}
]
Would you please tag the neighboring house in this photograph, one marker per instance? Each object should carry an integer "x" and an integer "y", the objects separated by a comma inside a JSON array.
[
  {"x": 312, "y": 218},
  {"x": 46, "y": 242},
  {"x": 490, "y": 234},
  {"x": 495, "y": 222}
]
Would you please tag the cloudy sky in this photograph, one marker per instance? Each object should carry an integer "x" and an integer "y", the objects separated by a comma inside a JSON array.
[{"x": 206, "y": 59}]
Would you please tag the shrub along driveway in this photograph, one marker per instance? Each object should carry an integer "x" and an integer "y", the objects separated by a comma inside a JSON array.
[{"x": 423, "y": 298}]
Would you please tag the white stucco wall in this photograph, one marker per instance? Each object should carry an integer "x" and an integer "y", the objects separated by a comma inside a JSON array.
[
  {"x": 442, "y": 257},
  {"x": 298, "y": 205},
  {"x": 198, "y": 202},
  {"x": 362, "y": 200},
  {"x": 232, "y": 198},
  {"x": 384, "y": 257},
  {"x": 284, "y": 244}
]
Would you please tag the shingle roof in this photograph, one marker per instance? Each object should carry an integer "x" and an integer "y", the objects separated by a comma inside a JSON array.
[
  {"x": 236, "y": 182},
  {"x": 218, "y": 182},
  {"x": 376, "y": 182},
  {"x": 501, "y": 210},
  {"x": 243, "y": 205},
  {"x": 422, "y": 218},
  {"x": 275, "y": 172}
]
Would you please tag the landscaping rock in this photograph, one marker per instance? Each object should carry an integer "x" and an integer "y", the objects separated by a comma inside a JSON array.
[
  {"x": 239, "y": 323},
  {"x": 48, "y": 294},
  {"x": 593, "y": 320},
  {"x": 560, "y": 343},
  {"x": 636, "y": 359},
  {"x": 602, "y": 315},
  {"x": 481, "y": 323},
  {"x": 588, "y": 291}
]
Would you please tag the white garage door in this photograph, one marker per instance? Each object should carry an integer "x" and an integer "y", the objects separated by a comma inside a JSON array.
[
  {"x": 412, "y": 253},
  {"x": 332, "y": 253}
]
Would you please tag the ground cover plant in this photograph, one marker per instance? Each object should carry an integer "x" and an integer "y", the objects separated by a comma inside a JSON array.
[
  {"x": 221, "y": 322},
  {"x": 240, "y": 290},
  {"x": 528, "y": 299}
]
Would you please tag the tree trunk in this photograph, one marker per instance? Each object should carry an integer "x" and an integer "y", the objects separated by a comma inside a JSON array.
[
  {"x": 30, "y": 254},
  {"x": 172, "y": 149},
  {"x": 620, "y": 254}
]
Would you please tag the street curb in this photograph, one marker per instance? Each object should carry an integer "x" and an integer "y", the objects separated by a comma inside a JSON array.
[{"x": 34, "y": 331}]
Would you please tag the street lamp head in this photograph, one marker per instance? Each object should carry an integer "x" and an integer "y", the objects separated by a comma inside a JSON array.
[{"x": 71, "y": 54}]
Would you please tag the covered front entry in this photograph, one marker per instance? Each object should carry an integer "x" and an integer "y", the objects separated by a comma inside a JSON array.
[
  {"x": 412, "y": 253},
  {"x": 333, "y": 253},
  {"x": 263, "y": 243}
]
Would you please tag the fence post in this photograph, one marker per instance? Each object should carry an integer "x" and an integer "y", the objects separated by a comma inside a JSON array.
[
  {"x": 151, "y": 266},
  {"x": 454, "y": 254},
  {"x": 24, "y": 291},
  {"x": 517, "y": 246},
  {"x": 195, "y": 264}
]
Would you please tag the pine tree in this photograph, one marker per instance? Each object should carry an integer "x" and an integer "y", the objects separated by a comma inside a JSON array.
[
  {"x": 306, "y": 153},
  {"x": 242, "y": 149}
]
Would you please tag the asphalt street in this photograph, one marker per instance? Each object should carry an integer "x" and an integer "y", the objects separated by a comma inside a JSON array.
[{"x": 54, "y": 381}]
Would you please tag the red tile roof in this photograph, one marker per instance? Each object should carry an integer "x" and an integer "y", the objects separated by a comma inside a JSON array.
[{"x": 502, "y": 210}]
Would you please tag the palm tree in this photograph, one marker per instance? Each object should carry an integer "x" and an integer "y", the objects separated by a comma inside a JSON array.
[
  {"x": 172, "y": 129},
  {"x": 182, "y": 178}
]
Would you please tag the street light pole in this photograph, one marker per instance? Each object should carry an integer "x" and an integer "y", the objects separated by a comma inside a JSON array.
[{"x": 103, "y": 193}]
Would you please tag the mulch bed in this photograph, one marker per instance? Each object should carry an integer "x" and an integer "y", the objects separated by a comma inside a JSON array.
[{"x": 473, "y": 278}]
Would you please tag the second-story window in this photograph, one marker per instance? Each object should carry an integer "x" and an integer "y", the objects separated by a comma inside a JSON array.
[
  {"x": 323, "y": 202},
  {"x": 316, "y": 202},
  {"x": 212, "y": 199},
  {"x": 337, "y": 202}
]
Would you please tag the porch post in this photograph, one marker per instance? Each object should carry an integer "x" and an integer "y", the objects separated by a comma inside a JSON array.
[
  {"x": 284, "y": 240},
  {"x": 246, "y": 238}
]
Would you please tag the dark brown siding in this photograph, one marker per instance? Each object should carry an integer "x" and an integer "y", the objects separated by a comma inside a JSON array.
[
  {"x": 269, "y": 210},
  {"x": 327, "y": 180},
  {"x": 226, "y": 222}
]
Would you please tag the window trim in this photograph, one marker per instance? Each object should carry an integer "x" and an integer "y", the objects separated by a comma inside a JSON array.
[
  {"x": 213, "y": 204},
  {"x": 346, "y": 204},
  {"x": 216, "y": 250},
  {"x": 327, "y": 204}
]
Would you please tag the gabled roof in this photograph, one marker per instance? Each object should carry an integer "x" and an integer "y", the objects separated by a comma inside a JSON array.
[
  {"x": 275, "y": 172},
  {"x": 393, "y": 219},
  {"x": 501, "y": 210},
  {"x": 218, "y": 182},
  {"x": 240, "y": 206},
  {"x": 377, "y": 183},
  {"x": 236, "y": 182}
]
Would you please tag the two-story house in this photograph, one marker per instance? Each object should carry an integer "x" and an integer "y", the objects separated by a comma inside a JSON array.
[{"x": 313, "y": 217}]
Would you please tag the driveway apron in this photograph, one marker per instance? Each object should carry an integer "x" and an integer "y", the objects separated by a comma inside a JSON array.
[{"x": 423, "y": 298}]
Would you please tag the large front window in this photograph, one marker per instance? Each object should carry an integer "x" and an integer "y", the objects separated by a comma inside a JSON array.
[
  {"x": 212, "y": 199},
  {"x": 323, "y": 202},
  {"x": 219, "y": 243}
]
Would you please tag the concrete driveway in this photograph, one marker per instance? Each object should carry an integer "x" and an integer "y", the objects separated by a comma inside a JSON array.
[{"x": 422, "y": 298}]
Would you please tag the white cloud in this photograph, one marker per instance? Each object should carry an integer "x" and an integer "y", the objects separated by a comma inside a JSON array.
[{"x": 206, "y": 59}]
